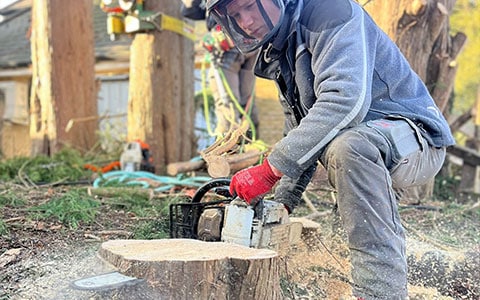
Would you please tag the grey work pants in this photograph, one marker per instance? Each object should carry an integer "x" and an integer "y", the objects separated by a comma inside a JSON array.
[
  {"x": 238, "y": 73},
  {"x": 365, "y": 164}
]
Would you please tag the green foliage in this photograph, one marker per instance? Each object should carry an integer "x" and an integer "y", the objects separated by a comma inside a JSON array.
[
  {"x": 155, "y": 211},
  {"x": 445, "y": 187},
  {"x": 465, "y": 18},
  {"x": 9, "y": 168},
  {"x": 155, "y": 229},
  {"x": 3, "y": 228},
  {"x": 135, "y": 203},
  {"x": 73, "y": 207},
  {"x": 66, "y": 164},
  {"x": 10, "y": 198},
  {"x": 111, "y": 139}
]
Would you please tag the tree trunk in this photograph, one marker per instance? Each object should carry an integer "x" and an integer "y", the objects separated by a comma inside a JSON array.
[
  {"x": 420, "y": 28},
  {"x": 63, "y": 76},
  {"x": 192, "y": 269},
  {"x": 161, "y": 107}
]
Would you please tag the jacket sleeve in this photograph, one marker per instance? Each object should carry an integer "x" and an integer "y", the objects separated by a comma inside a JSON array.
[{"x": 342, "y": 65}]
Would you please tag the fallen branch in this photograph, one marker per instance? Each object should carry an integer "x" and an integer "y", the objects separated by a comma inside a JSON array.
[
  {"x": 309, "y": 203},
  {"x": 114, "y": 232},
  {"x": 91, "y": 236},
  {"x": 14, "y": 219}
]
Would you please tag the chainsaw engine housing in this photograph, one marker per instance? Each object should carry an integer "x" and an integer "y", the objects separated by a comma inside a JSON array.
[
  {"x": 266, "y": 225},
  {"x": 209, "y": 226}
]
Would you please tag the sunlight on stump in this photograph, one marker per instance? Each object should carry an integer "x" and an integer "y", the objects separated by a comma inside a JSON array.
[{"x": 193, "y": 269}]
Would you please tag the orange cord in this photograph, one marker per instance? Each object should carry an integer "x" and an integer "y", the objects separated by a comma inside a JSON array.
[{"x": 111, "y": 166}]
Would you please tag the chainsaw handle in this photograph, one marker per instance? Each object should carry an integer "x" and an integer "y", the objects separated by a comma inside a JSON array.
[{"x": 218, "y": 182}]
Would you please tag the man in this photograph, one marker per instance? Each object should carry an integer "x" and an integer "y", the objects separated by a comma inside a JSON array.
[
  {"x": 353, "y": 103},
  {"x": 231, "y": 76},
  {"x": 232, "y": 82}
]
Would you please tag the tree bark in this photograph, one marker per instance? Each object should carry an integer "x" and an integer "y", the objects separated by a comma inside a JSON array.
[
  {"x": 192, "y": 269},
  {"x": 161, "y": 107},
  {"x": 63, "y": 76},
  {"x": 420, "y": 28}
]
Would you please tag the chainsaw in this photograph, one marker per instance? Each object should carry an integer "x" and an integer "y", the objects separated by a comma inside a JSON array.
[
  {"x": 136, "y": 157},
  {"x": 229, "y": 219},
  {"x": 217, "y": 217}
]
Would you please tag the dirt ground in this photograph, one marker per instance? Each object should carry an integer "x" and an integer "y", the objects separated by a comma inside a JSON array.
[{"x": 41, "y": 259}]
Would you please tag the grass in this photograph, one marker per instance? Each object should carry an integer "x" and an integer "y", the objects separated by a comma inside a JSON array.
[
  {"x": 26, "y": 197},
  {"x": 265, "y": 89},
  {"x": 10, "y": 198},
  {"x": 3, "y": 228},
  {"x": 453, "y": 222},
  {"x": 72, "y": 208}
]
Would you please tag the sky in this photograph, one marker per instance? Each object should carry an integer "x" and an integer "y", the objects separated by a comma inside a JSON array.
[{"x": 5, "y": 3}]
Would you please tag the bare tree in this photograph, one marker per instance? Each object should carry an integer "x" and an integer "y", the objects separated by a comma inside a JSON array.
[
  {"x": 420, "y": 28},
  {"x": 63, "y": 78},
  {"x": 161, "y": 107}
]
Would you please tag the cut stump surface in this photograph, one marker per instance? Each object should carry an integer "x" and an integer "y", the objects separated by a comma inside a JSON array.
[{"x": 192, "y": 269}]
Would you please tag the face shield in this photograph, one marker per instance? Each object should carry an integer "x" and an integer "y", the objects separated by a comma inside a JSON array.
[{"x": 249, "y": 23}]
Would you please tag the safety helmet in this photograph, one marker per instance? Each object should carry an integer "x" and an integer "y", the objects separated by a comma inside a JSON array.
[{"x": 249, "y": 23}]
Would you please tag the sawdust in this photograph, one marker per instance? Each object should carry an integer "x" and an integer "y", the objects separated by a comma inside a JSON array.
[
  {"x": 315, "y": 268},
  {"x": 316, "y": 272},
  {"x": 45, "y": 258}
]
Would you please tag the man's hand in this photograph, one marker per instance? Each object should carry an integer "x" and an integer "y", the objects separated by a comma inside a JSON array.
[{"x": 253, "y": 182}]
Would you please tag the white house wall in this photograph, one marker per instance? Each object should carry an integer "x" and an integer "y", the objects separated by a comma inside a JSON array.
[
  {"x": 113, "y": 105},
  {"x": 16, "y": 102}
]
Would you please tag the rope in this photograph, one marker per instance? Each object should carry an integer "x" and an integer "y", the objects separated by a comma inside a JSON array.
[
  {"x": 205, "y": 97},
  {"x": 137, "y": 178},
  {"x": 237, "y": 104},
  {"x": 243, "y": 112}
]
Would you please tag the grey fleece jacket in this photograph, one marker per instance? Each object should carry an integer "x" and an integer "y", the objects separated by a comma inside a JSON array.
[{"x": 335, "y": 68}]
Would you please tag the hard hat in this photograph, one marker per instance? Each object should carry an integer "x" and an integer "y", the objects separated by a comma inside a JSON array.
[{"x": 249, "y": 23}]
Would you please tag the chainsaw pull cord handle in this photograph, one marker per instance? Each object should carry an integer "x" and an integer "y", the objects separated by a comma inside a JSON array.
[{"x": 218, "y": 182}]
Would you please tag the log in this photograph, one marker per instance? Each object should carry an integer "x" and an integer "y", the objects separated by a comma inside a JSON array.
[
  {"x": 224, "y": 166},
  {"x": 244, "y": 160},
  {"x": 192, "y": 269},
  {"x": 217, "y": 166},
  {"x": 112, "y": 192},
  {"x": 173, "y": 169}
]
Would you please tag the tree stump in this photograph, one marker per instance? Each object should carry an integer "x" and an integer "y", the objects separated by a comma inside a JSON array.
[{"x": 193, "y": 269}]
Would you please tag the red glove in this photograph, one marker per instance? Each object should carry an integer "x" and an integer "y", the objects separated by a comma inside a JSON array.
[{"x": 253, "y": 182}]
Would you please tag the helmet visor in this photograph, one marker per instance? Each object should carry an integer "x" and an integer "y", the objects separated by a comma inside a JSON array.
[{"x": 249, "y": 23}]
